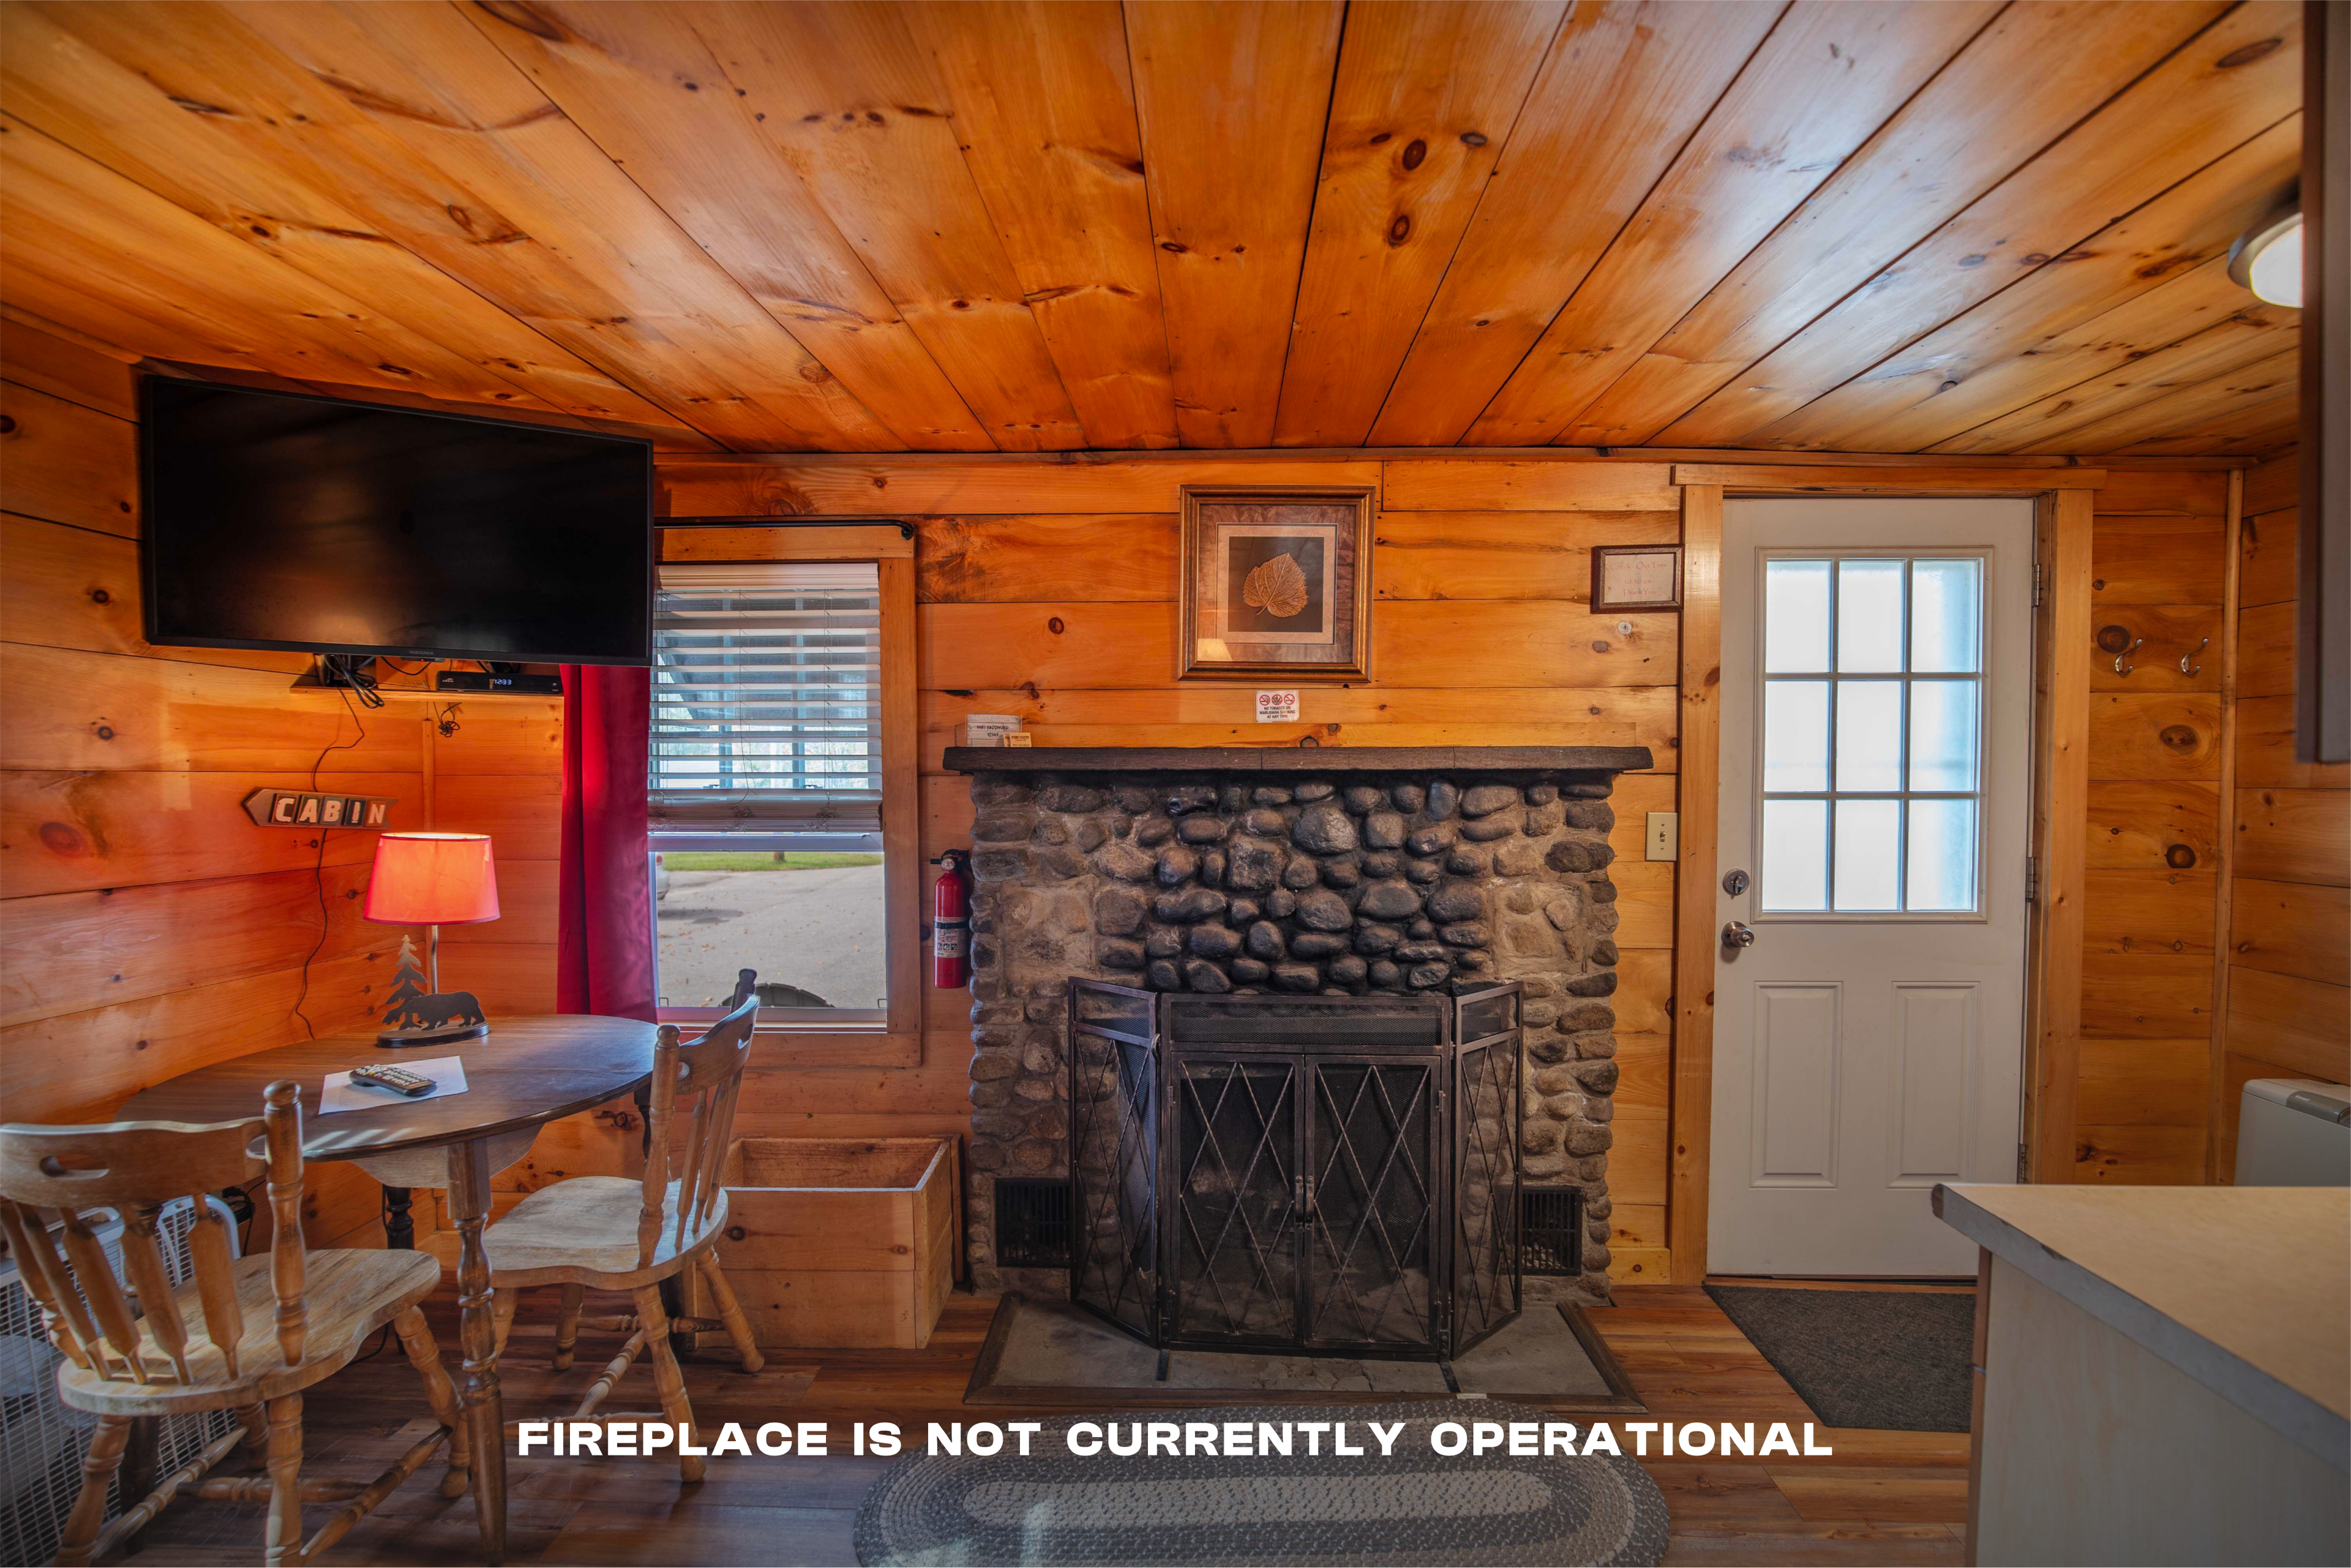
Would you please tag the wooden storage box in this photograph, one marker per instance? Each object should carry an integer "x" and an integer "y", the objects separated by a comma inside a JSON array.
[{"x": 838, "y": 1242}]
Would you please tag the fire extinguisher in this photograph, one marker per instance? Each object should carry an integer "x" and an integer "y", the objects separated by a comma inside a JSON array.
[{"x": 951, "y": 922}]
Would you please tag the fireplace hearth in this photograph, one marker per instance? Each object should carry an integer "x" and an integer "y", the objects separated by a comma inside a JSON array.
[
  {"x": 1326, "y": 1175},
  {"x": 1382, "y": 887}
]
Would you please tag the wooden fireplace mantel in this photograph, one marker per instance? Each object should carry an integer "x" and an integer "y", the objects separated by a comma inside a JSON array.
[{"x": 1295, "y": 758}]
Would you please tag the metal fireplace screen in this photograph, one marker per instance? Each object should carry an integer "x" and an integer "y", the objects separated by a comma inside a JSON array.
[{"x": 1331, "y": 1175}]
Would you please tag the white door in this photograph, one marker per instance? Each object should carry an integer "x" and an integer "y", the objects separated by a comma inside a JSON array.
[{"x": 1876, "y": 718}]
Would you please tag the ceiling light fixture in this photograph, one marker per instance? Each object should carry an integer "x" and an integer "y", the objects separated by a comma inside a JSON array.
[{"x": 2267, "y": 258}]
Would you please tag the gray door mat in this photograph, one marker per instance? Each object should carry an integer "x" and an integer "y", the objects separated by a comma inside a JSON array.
[
  {"x": 1896, "y": 1361},
  {"x": 1052, "y": 1352}
]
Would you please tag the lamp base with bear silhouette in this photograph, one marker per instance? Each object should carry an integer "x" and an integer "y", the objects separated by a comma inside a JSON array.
[
  {"x": 418, "y": 1017},
  {"x": 430, "y": 880}
]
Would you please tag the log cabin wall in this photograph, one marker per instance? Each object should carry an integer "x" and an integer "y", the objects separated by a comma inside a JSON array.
[
  {"x": 2286, "y": 1012},
  {"x": 1049, "y": 591},
  {"x": 2158, "y": 552},
  {"x": 148, "y": 926}
]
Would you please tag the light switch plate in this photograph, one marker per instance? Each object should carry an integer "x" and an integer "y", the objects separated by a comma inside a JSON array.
[{"x": 1665, "y": 840}]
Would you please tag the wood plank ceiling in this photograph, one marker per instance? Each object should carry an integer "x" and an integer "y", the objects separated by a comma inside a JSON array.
[{"x": 1862, "y": 226}]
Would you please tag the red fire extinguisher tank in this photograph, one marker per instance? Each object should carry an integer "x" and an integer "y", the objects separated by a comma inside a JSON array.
[{"x": 951, "y": 922}]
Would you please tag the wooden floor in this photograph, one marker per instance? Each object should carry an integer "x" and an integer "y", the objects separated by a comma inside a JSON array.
[{"x": 1884, "y": 1497}]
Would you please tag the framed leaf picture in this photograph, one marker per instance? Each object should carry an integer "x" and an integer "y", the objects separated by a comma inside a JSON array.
[{"x": 1277, "y": 581}]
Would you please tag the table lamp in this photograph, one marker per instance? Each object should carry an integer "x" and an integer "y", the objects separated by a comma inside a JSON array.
[{"x": 430, "y": 880}]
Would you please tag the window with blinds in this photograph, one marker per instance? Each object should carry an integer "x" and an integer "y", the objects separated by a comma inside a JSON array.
[{"x": 766, "y": 699}]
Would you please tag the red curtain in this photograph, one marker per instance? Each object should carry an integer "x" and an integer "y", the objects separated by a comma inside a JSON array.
[{"x": 604, "y": 944}]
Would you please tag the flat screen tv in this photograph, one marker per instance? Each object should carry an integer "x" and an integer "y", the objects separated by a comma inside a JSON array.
[{"x": 278, "y": 520}]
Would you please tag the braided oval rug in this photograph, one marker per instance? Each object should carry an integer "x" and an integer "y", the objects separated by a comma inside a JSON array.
[{"x": 1054, "y": 1507}]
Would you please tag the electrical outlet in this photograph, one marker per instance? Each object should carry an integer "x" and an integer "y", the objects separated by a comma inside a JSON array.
[{"x": 1665, "y": 841}]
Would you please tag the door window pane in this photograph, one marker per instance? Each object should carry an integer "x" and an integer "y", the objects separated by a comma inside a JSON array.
[
  {"x": 1869, "y": 736},
  {"x": 1868, "y": 855},
  {"x": 1796, "y": 616},
  {"x": 1872, "y": 765},
  {"x": 1796, "y": 734},
  {"x": 1947, "y": 615},
  {"x": 1942, "y": 856},
  {"x": 1943, "y": 738},
  {"x": 1869, "y": 615},
  {"x": 1795, "y": 855}
]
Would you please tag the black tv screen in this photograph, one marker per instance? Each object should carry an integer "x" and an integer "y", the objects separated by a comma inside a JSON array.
[{"x": 276, "y": 520}]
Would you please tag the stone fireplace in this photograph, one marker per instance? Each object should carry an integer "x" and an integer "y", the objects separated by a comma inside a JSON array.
[{"x": 1357, "y": 872}]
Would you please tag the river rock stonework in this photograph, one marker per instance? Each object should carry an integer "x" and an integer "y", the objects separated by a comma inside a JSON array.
[{"x": 1346, "y": 884}]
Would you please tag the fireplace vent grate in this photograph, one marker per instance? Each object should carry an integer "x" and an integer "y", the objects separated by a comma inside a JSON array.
[
  {"x": 1551, "y": 1222},
  {"x": 1032, "y": 1223}
]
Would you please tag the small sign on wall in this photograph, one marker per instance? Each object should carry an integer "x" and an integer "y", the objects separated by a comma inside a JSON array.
[
  {"x": 1277, "y": 708},
  {"x": 1637, "y": 576},
  {"x": 310, "y": 809}
]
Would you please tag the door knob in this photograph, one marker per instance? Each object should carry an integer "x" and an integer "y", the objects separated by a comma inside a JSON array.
[{"x": 1737, "y": 933}]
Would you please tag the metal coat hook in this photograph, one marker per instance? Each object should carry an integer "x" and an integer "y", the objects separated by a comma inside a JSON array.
[
  {"x": 2122, "y": 660},
  {"x": 2187, "y": 669}
]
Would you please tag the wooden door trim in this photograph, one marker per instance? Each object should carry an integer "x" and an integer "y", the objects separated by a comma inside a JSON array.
[
  {"x": 2224, "y": 839},
  {"x": 2061, "y": 704},
  {"x": 1691, "y": 1113}
]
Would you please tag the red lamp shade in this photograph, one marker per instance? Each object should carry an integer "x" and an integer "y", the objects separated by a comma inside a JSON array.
[{"x": 432, "y": 879}]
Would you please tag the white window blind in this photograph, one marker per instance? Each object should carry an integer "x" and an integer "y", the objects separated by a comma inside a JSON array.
[{"x": 766, "y": 699}]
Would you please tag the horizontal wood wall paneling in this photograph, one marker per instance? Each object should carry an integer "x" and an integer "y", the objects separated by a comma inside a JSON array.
[
  {"x": 2139, "y": 1155},
  {"x": 495, "y": 735},
  {"x": 71, "y": 952},
  {"x": 64, "y": 832},
  {"x": 2293, "y": 835},
  {"x": 875, "y": 541},
  {"x": 2154, "y": 735},
  {"x": 1414, "y": 644},
  {"x": 2157, "y": 500},
  {"x": 510, "y": 977},
  {"x": 2147, "y": 911},
  {"x": 2301, "y": 1025},
  {"x": 2265, "y": 749},
  {"x": 520, "y": 813},
  {"x": 2274, "y": 486},
  {"x": 1049, "y": 557},
  {"x": 79, "y": 1066},
  {"x": 2268, "y": 557},
  {"x": 2142, "y": 825},
  {"x": 2265, "y": 657},
  {"x": 2292, "y": 928},
  {"x": 2145, "y": 1082},
  {"x": 71, "y": 711},
  {"x": 2155, "y": 560},
  {"x": 2146, "y": 996},
  {"x": 63, "y": 368},
  {"x": 1468, "y": 483},
  {"x": 67, "y": 587},
  {"x": 1503, "y": 555},
  {"x": 63, "y": 462},
  {"x": 785, "y": 488}
]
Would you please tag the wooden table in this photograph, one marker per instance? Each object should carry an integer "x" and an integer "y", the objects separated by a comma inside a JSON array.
[{"x": 528, "y": 1072}]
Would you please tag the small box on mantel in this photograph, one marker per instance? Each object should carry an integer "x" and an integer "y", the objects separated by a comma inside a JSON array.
[
  {"x": 835, "y": 1243},
  {"x": 986, "y": 728}
]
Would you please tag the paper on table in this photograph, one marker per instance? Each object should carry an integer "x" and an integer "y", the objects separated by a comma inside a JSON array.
[{"x": 339, "y": 1093}]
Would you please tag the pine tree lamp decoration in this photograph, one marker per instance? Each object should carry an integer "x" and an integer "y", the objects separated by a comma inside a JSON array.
[{"x": 430, "y": 880}]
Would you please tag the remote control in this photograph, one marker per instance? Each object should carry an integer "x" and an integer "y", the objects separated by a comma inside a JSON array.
[{"x": 399, "y": 1080}]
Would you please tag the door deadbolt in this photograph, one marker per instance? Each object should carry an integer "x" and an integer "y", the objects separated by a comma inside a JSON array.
[
  {"x": 1734, "y": 883},
  {"x": 1737, "y": 933}
]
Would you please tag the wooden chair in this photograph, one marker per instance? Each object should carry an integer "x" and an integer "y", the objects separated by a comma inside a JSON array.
[
  {"x": 616, "y": 1234},
  {"x": 272, "y": 1326}
]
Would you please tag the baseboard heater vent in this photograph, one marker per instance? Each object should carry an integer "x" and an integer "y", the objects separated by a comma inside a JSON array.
[
  {"x": 1551, "y": 1226},
  {"x": 1032, "y": 1223}
]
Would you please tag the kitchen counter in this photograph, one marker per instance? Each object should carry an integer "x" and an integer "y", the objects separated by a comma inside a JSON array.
[{"x": 2163, "y": 1374}]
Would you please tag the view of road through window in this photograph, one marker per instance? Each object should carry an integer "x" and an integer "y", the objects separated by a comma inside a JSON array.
[{"x": 806, "y": 919}]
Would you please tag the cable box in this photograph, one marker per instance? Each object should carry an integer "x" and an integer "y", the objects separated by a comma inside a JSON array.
[{"x": 483, "y": 681}]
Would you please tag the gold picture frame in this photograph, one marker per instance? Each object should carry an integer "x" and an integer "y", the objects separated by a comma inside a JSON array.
[{"x": 1277, "y": 581}]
